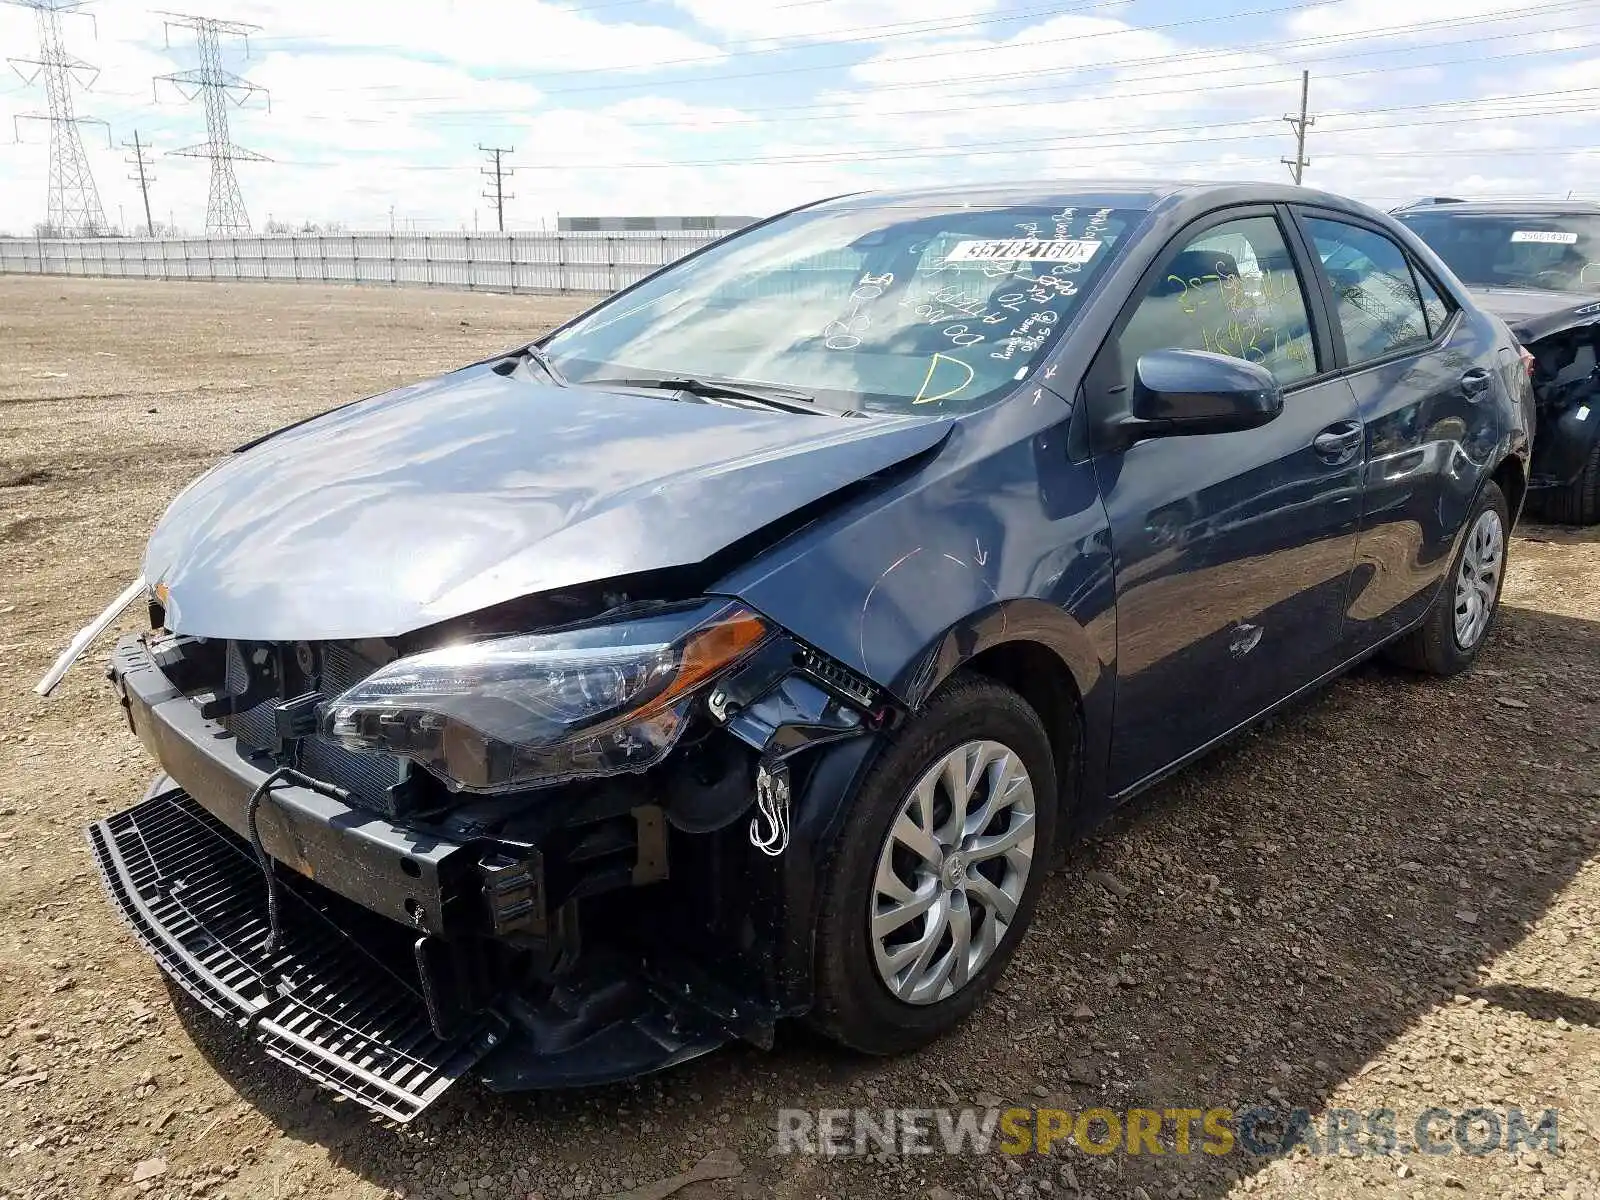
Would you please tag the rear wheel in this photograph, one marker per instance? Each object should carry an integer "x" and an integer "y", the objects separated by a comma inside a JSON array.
[
  {"x": 1579, "y": 502},
  {"x": 937, "y": 870},
  {"x": 1457, "y": 625}
]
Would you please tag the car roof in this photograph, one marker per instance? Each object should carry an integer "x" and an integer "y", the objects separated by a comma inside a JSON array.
[
  {"x": 1551, "y": 208},
  {"x": 1141, "y": 194}
]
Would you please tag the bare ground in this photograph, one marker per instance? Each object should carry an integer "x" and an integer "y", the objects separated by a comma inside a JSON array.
[{"x": 1388, "y": 898}]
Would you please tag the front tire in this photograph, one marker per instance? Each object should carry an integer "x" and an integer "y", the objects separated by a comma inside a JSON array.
[
  {"x": 935, "y": 875},
  {"x": 1457, "y": 625}
]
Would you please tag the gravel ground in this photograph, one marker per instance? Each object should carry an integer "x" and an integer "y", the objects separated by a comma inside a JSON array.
[{"x": 1386, "y": 899}]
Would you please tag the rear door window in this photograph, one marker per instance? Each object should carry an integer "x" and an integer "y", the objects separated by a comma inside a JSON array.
[
  {"x": 1434, "y": 306},
  {"x": 1376, "y": 301}
]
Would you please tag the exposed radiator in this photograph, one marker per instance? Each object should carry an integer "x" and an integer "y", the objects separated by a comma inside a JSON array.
[{"x": 368, "y": 777}]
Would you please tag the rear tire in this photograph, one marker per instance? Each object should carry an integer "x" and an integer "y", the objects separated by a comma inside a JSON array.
[
  {"x": 1576, "y": 504},
  {"x": 888, "y": 910},
  {"x": 1462, "y": 615}
]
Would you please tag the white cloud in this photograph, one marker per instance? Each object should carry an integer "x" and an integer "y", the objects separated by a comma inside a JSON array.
[
  {"x": 379, "y": 107},
  {"x": 506, "y": 34},
  {"x": 1360, "y": 16},
  {"x": 826, "y": 20}
]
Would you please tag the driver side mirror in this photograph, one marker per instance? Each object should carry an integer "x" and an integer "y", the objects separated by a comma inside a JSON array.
[{"x": 1178, "y": 392}]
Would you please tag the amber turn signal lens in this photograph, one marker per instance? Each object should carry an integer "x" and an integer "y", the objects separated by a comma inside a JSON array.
[{"x": 726, "y": 637}]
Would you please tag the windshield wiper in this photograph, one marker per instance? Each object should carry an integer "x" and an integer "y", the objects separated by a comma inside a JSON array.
[
  {"x": 770, "y": 394},
  {"x": 534, "y": 354}
]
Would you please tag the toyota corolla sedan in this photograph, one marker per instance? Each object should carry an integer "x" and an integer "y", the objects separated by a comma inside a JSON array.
[{"x": 750, "y": 647}]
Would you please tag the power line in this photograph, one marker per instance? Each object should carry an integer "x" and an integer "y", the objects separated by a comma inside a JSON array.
[
  {"x": 964, "y": 51},
  {"x": 1276, "y": 46},
  {"x": 499, "y": 171},
  {"x": 1010, "y": 146},
  {"x": 1273, "y": 44},
  {"x": 764, "y": 40},
  {"x": 1214, "y": 164},
  {"x": 759, "y": 46},
  {"x": 1299, "y": 163},
  {"x": 1211, "y": 86},
  {"x": 589, "y": 8},
  {"x": 1069, "y": 142},
  {"x": 73, "y": 201},
  {"x": 841, "y": 108},
  {"x": 225, "y": 211},
  {"x": 144, "y": 180}
]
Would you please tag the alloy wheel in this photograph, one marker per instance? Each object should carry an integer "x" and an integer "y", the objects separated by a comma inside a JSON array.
[
  {"x": 1478, "y": 579},
  {"x": 952, "y": 871}
]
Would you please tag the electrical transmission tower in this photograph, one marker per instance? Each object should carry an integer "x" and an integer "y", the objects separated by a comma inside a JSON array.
[
  {"x": 1298, "y": 164},
  {"x": 144, "y": 179},
  {"x": 499, "y": 171},
  {"x": 74, "y": 201},
  {"x": 225, "y": 212}
]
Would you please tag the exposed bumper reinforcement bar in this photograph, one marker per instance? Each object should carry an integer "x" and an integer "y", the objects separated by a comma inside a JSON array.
[{"x": 348, "y": 1013}]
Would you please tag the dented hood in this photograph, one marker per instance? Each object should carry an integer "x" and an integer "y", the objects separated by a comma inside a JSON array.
[
  {"x": 1534, "y": 313},
  {"x": 447, "y": 497}
]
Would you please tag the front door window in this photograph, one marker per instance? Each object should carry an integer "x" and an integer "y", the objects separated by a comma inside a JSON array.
[{"x": 1231, "y": 290}]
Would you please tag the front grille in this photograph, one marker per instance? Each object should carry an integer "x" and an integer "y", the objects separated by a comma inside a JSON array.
[
  {"x": 368, "y": 777},
  {"x": 350, "y": 1014}
]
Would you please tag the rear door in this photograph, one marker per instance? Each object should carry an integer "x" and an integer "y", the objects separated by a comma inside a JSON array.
[
  {"x": 1424, "y": 380},
  {"x": 1232, "y": 551}
]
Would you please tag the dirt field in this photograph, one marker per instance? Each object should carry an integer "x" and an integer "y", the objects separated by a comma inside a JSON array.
[{"x": 1388, "y": 899}]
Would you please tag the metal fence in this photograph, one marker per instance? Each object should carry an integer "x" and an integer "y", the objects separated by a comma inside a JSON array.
[{"x": 491, "y": 262}]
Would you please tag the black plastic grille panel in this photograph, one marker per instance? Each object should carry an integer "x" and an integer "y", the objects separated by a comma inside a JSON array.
[{"x": 348, "y": 1015}]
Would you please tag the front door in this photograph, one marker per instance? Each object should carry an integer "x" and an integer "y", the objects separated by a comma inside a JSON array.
[{"x": 1233, "y": 551}]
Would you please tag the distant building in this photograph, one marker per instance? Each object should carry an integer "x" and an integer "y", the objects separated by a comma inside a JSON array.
[{"x": 649, "y": 224}]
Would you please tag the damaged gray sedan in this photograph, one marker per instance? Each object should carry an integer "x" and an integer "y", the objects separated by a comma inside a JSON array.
[
  {"x": 751, "y": 646},
  {"x": 1536, "y": 265}
]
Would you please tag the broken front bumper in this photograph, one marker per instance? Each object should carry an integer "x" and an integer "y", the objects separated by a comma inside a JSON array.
[
  {"x": 429, "y": 883},
  {"x": 391, "y": 980},
  {"x": 340, "y": 1007}
]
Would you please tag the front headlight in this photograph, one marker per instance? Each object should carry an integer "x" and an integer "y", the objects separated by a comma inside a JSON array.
[{"x": 536, "y": 709}]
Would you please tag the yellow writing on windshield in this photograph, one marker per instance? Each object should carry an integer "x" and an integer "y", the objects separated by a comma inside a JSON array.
[{"x": 922, "y": 396}]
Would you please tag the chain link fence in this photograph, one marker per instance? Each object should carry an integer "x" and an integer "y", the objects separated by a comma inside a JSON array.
[{"x": 549, "y": 263}]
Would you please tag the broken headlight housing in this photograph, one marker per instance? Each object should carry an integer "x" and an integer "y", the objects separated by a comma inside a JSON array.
[{"x": 531, "y": 710}]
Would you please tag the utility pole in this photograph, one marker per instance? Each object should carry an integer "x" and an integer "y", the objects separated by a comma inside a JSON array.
[
  {"x": 73, "y": 205},
  {"x": 1298, "y": 164},
  {"x": 143, "y": 178},
  {"x": 499, "y": 171},
  {"x": 225, "y": 212}
]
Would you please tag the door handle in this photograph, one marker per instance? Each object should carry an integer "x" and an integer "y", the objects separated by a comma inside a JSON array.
[
  {"x": 1338, "y": 444},
  {"x": 1475, "y": 382}
]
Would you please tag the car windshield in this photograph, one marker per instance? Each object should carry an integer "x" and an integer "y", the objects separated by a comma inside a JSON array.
[
  {"x": 1557, "y": 252},
  {"x": 914, "y": 308}
]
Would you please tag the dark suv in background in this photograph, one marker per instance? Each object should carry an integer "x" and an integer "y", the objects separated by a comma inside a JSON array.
[{"x": 1536, "y": 265}]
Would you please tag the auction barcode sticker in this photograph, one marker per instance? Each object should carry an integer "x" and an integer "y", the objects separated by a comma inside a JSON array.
[
  {"x": 1055, "y": 250},
  {"x": 1552, "y": 236}
]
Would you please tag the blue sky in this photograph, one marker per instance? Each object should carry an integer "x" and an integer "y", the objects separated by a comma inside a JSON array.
[{"x": 739, "y": 106}]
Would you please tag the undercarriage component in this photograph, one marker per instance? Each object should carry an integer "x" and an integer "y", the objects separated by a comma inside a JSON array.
[
  {"x": 1564, "y": 483},
  {"x": 347, "y": 1010},
  {"x": 365, "y": 1007}
]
